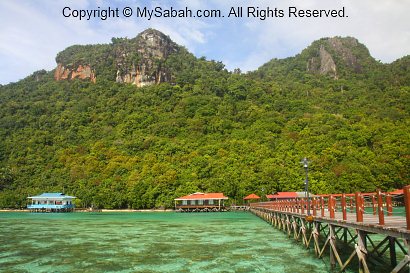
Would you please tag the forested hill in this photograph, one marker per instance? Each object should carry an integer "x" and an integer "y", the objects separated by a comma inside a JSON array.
[{"x": 138, "y": 122}]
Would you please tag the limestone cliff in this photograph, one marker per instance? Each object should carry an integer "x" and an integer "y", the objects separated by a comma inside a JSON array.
[
  {"x": 138, "y": 61},
  {"x": 336, "y": 57},
  {"x": 82, "y": 72},
  {"x": 333, "y": 54},
  {"x": 323, "y": 64}
]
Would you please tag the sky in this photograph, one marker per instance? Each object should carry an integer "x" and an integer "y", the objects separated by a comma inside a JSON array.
[{"x": 33, "y": 32}]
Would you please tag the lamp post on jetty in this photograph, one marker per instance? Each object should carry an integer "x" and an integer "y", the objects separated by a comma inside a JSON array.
[{"x": 305, "y": 163}]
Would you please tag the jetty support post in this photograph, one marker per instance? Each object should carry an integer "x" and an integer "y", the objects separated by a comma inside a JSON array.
[
  {"x": 389, "y": 204},
  {"x": 359, "y": 207},
  {"x": 314, "y": 204},
  {"x": 332, "y": 243},
  {"x": 380, "y": 207},
  {"x": 392, "y": 248},
  {"x": 406, "y": 261},
  {"x": 374, "y": 204},
  {"x": 331, "y": 205},
  {"x": 361, "y": 251},
  {"x": 322, "y": 206},
  {"x": 344, "y": 212},
  {"x": 406, "y": 193}
]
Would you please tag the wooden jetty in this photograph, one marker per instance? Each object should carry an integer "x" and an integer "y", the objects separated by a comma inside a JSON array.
[
  {"x": 369, "y": 224},
  {"x": 240, "y": 208}
]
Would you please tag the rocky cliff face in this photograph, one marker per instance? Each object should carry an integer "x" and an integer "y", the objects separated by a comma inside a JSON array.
[
  {"x": 337, "y": 57},
  {"x": 82, "y": 72},
  {"x": 323, "y": 64},
  {"x": 139, "y": 61},
  {"x": 142, "y": 64},
  {"x": 333, "y": 53}
]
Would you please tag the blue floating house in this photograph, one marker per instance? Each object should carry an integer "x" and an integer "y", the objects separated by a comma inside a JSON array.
[{"x": 51, "y": 202}]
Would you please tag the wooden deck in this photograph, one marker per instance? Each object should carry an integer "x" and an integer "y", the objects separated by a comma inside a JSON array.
[{"x": 323, "y": 221}]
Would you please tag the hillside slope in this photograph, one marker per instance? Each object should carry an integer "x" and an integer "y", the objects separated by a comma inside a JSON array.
[{"x": 114, "y": 145}]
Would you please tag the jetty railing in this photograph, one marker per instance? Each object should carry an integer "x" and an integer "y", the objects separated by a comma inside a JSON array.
[
  {"x": 335, "y": 216},
  {"x": 342, "y": 206}
]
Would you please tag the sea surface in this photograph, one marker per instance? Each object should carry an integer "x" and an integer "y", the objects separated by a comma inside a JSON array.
[{"x": 148, "y": 242}]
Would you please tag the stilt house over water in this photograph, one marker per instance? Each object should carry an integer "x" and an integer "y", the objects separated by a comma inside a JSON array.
[
  {"x": 51, "y": 202},
  {"x": 201, "y": 202}
]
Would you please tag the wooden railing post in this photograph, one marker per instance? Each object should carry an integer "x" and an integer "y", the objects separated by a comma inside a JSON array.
[
  {"x": 344, "y": 207},
  {"x": 296, "y": 205},
  {"x": 314, "y": 201},
  {"x": 374, "y": 204},
  {"x": 406, "y": 192},
  {"x": 331, "y": 206},
  {"x": 359, "y": 205},
  {"x": 389, "y": 205},
  {"x": 322, "y": 206},
  {"x": 351, "y": 203},
  {"x": 380, "y": 207},
  {"x": 302, "y": 206}
]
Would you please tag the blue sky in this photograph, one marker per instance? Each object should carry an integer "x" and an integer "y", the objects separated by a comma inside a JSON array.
[{"x": 33, "y": 32}]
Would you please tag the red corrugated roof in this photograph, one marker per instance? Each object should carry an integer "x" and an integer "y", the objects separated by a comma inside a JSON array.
[
  {"x": 203, "y": 196},
  {"x": 287, "y": 194},
  {"x": 251, "y": 196}
]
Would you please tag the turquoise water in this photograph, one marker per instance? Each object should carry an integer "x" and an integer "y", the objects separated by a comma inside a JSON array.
[{"x": 148, "y": 242}]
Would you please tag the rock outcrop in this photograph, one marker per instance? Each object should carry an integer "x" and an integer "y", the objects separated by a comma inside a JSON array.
[
  {"x": 139, "y": 61},
  {"x": 323, "y": 64},
  {"x": 83, "y": 72},
  {"x": 151, "y": 48},
  {"x": 344, "y": 50},
  {"x": 337, "y": 58}
]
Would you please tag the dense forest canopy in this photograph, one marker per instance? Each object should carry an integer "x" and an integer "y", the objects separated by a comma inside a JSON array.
[{"x": 117, "y": 146}]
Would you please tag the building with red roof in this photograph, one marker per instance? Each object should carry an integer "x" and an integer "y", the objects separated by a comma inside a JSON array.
[
  {"x": 201, "y": 202},
  {"x": 287, "y": 195},
  {"x": 251, "y": 198}
]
